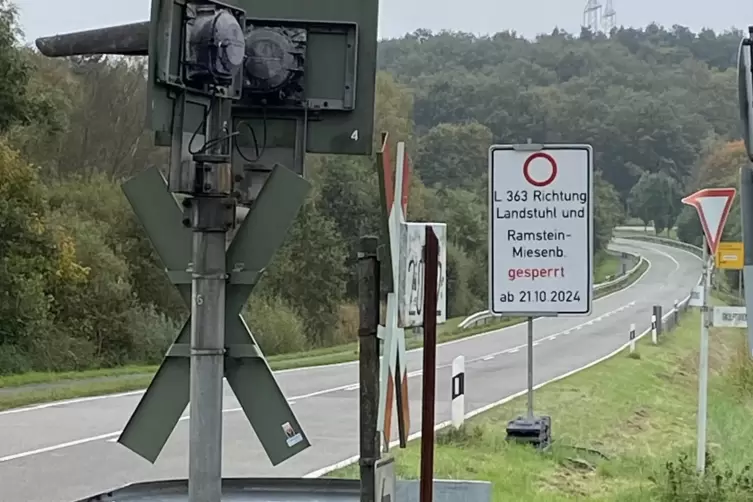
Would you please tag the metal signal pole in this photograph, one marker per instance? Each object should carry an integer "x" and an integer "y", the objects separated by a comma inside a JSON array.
[
  {"x": 703, "y": 365},
  {"x": 210, "y": 212}
]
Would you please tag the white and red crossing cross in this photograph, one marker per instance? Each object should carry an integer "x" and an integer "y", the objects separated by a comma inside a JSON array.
[{"x": 713, "y": 205}]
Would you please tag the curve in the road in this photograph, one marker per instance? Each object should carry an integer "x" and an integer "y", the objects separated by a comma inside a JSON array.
[{"x": 64, "y": 451}]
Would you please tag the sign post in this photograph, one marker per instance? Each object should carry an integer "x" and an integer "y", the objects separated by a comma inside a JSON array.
[
  {"x": 540, "y": 243},
  {"x": 745, "y": 85},
  {"x": 712, "y": 205},
  {"x": 431, "y": 257}
]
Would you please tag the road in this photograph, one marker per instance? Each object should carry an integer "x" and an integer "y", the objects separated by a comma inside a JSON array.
[{"x": 61, "y": 452}]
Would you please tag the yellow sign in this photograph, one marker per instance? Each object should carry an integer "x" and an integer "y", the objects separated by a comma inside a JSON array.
[{"x": 729, "y": 255}]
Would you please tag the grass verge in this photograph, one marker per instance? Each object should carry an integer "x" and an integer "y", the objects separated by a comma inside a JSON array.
[
  {"x": 607, "y": 267},
  {"x": 638, "y": 410},
  {"x": 31, "y": 388}
]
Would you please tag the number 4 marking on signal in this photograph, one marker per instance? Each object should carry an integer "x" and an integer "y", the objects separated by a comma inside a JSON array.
[{"x": 354, "y": 136}]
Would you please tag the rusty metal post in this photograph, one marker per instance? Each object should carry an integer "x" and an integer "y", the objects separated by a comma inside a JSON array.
[
  {"x": 368, "y": 368},
  {"x": 431, "y": 258}
]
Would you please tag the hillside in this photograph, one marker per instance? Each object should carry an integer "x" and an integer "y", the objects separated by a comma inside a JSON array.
[{"x": 83, "y": 288}]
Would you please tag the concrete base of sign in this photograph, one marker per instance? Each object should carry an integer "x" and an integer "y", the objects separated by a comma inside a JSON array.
[{"x": 294, "y": 490}]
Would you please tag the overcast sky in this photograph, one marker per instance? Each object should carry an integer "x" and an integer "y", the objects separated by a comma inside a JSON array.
[{"x": 527, "y": 17}]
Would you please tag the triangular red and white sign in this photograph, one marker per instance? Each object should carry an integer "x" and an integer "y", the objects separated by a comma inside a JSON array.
[{"x": 713, "y": 205}]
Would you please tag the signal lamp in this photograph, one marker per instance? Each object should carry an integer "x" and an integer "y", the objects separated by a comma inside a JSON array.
[
  {"x": 215, "y": 45},
  {"x": 275, "y": 58}
]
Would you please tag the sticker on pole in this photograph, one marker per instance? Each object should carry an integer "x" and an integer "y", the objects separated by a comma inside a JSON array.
[
  {"x": 540, "y": 229},
  {"x": 292, "y": 437},
  {"x": 713, "y": 205}
]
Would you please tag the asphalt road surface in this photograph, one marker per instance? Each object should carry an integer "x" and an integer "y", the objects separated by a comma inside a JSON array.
[{"x": 61, "y": 452}]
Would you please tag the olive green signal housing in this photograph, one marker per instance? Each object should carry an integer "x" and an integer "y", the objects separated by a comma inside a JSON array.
[{"x": 308, "y": 83}]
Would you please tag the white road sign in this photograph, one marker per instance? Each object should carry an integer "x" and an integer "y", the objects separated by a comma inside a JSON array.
[
  {"x": 411, "y": 285},
  {"x": 696, "y": 297},
  {"x": 385, "y": 480},
  {"x": 730, "y": 317},
  {"x": 541, "y": 229}
]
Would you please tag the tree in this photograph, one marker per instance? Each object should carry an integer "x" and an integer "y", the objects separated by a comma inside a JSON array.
[
  {"x": 638, "y": 202},
  {"x": 607, "y": 212},
  {"x": 455, "y": 155},
  {"x": 15, "y": 69},
  {"x": 656, "y": 197},
  {"x": 309, "y": 271}
]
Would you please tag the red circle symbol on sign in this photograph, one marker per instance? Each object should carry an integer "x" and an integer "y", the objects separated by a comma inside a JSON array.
[{"x": 527, "y": 167}]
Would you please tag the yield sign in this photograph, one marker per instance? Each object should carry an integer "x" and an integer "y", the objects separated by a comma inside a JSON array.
[{"x": 713, "y": 205}]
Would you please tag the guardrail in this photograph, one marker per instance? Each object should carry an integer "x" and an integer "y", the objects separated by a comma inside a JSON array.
[
  {"x": 659, "y": 240},
  {"x": 485, "y": 316}
]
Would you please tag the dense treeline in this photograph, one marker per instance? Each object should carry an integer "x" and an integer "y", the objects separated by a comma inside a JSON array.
[{"x": 81, "y": 285}]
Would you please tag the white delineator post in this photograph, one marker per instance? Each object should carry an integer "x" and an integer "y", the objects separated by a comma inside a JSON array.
[
  {"x": 458, "y": 391},
  {"x": 654, "y": 337},
  {"x": 632, "y": 338}
]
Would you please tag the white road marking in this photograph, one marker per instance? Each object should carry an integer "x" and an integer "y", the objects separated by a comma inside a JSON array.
[
  {"x": 77, "y": 442},
  {"x": 488, "y": 358}
]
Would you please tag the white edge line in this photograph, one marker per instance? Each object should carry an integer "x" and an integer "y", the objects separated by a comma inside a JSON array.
[
  {"x": 66, "y": 402},
  {"x": 349, "y": 461}
]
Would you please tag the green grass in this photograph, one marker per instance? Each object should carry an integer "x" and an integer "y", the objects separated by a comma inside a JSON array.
[
  {"x": 639, "y": 410},
  {"x": 608, "y": 267},
  {"x": 37, "y": 387}
]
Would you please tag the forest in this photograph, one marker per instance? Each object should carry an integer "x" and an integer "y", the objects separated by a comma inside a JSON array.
[{"x": 82, "y": 287}]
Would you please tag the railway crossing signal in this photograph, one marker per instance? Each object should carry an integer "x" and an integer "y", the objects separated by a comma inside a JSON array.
[{"x": 246, "y": 369}]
